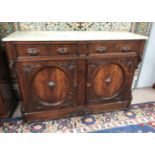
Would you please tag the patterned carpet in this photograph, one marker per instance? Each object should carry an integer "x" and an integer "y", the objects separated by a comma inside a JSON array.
[{"x": 139, "y": 118}]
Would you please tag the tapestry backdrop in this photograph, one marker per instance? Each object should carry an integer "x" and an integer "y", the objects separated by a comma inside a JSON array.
[{"x": 136, "y": 27}]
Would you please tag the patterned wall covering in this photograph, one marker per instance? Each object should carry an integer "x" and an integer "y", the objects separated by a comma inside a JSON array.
[
  {"x": 9, "y": 27},
  {"x": 106, "y": 26},
  {"x": 136, "y": 27},
  {"x": 5, "y": 29}
]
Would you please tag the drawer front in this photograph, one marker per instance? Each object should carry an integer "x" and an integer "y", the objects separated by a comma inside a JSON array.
[
  {"x": 31, "y": 50},
  {"x": 46, "y": 49},
  {"x": 126, "y": 46},
  {"x": 63, "y": 49},
  {"x": 99, "y": 47},
  {"x": 113, "y": 47}
]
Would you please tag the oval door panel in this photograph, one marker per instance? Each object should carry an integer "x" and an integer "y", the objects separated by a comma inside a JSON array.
[
  {"x": 108, "y": 80},
  {"x": 50, "y": 86}
]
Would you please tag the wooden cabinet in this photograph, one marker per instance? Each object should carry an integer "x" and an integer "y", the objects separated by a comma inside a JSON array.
[
  {"x": 66, "y": 77},
  {"x": 7, "y": 98},
  {"x": 109, "y": 79},
  {"x": 48, "y": 84}
]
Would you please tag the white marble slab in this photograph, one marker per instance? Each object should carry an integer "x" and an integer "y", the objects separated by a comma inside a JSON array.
[{"x": 71, "y": 36}]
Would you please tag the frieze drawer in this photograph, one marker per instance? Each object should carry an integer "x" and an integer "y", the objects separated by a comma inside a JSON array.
[
  {"x": 24, "y": 50},
  {"x": 105, "y": 47},
  {"x": 126, "y": 46}
]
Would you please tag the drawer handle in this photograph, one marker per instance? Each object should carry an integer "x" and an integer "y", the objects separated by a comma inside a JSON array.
[
  {"x": 88, "y": 84},
  {"x": 32, "y": 51},
  {"x": 51, "y": 84},
  {"x": 62, "y": 51},
  {"x": 101, "y": 49},
  {"x": 108, "y": 80},
  {"x": 126, "y": 49}
]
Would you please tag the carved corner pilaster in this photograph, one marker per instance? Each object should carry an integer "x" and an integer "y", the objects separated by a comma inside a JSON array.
[{"x": 12, "y": 69}]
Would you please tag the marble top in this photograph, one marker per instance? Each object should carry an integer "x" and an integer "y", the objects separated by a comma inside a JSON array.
[{"x": 71, "y": 36}]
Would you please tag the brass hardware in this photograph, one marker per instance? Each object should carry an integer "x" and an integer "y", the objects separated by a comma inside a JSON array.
[
  {"x": 101, "y": 49},
  {"x": 108, "y": 80},
  {"x": 51, "y": 84},
  {"x": 88, "y": 85},
  {"x": 62, "y": 51},
  {"x": 32, "y": 51},
  {"x": 126, "y": 49}
]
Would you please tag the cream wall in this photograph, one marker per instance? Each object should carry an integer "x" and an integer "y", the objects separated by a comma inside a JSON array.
[{"x": 147, "y": 71}]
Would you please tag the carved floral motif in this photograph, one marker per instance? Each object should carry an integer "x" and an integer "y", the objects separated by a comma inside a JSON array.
[{"x": 28, "y": 68}]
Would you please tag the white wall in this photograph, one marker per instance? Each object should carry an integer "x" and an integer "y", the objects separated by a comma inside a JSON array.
[{"x": 147, "y": 72}]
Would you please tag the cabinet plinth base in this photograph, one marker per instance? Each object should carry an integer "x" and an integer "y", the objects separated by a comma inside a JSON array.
[
  {"x": 6, "y": 115},
  {"x": 75, "y": 111}
]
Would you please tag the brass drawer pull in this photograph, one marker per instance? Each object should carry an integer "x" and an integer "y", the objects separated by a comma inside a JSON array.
[
  {"x": 101, "y": 49},
  {"x": 51, "y": 84},
  {"x": 88, "y": 84},
  {"x": 63, "y": 51},
  {"x": 32, "y": 51},
  {"x": 126, "y": 49},
  {"x": 108, "y": 80}
]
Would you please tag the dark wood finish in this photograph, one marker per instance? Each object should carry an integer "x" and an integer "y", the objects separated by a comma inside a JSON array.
[
  {"x": 7, "y": 100},
  {"x": 46, "y": 49},
  {"x": 153, "y": 86},
  {"x": 63, "y": 49},
  {"x": 110, "y": 78},
  {"x": 102, "y": 47},
  {"x": 126, "y": 46},
  {"x": 50, "y": 84},
  {"x": 61, "y": 79},
  {"x": 75, "y": 111}
]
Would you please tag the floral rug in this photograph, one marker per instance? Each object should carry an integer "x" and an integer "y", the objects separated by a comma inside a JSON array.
[{"x": 138, "y": 118}]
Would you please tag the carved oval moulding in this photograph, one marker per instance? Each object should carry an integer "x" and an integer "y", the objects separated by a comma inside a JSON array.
[
  {"x": 108, "y": 80},
  {"x": 50, "y": 86}
]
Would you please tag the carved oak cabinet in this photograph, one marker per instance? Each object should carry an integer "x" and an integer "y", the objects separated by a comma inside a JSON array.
[{"x": 61, "y": 74}]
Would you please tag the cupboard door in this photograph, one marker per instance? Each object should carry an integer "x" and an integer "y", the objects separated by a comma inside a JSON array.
[
  {"x": 48, "y": 85},
  {"x": 109, "y": 79}
]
